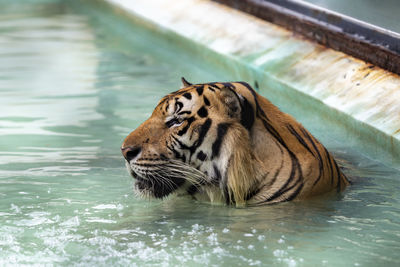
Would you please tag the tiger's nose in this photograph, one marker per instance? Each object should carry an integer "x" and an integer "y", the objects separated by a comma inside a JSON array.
[{"x": 130, "y": 152}]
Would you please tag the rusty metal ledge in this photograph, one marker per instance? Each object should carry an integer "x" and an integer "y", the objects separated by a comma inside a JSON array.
[
  {"x": 355, "y": 100},
  {"x": 378, "y": 47}
]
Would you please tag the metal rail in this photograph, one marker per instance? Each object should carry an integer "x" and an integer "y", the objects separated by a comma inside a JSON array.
[{"x": 368, "y": 42}]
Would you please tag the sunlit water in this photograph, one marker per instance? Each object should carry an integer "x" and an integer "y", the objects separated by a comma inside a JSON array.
[{"x": 70, "y": 90}]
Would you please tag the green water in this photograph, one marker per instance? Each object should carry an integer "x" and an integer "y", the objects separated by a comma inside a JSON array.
[{"x": 71, "y": 88}]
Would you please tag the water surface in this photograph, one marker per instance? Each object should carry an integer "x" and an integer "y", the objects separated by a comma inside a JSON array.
[{"x": 71, "y": 88}]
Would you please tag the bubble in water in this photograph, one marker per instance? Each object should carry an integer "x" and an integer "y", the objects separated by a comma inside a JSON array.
[
  {"x": 105, "y": 206},
  {"x": 212, "y": 238},
  {"x": 72, "y": 222},
  {"x": 290, "y": 262},
  {"x": 281, "y": 241},
  {"x": 218, "y": 250},
  {"x": 279, "y": 253},
  {"x": 15, "y": 208},
  {"x": 225, "y": 230}
]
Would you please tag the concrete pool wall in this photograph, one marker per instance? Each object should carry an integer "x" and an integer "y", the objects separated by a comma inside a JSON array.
[{"x": 355, "y": 98}]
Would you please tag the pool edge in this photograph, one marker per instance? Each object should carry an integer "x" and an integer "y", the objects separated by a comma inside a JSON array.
[{"x": 358, "y": 98}]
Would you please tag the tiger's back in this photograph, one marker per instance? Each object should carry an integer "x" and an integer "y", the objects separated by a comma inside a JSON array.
[{"x": 310, "y": 169}]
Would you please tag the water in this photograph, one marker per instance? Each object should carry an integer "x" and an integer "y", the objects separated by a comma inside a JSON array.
[{"x": 71, "y": 89}]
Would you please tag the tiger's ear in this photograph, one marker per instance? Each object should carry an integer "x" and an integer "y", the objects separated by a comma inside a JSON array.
[
  {"x": 232, "y": 101},
  {"x": 185, "y": 83},
  {"x": 238, "y": 107}
]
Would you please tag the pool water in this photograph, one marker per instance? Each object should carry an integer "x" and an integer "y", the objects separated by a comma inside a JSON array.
[{"x": 71, "y": 88}]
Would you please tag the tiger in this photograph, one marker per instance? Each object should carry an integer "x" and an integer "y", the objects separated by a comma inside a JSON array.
[{"x": 223, "y": 142}]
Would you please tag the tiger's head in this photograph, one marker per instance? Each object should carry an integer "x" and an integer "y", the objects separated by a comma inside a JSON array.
[{"x": 196, "y": 142}]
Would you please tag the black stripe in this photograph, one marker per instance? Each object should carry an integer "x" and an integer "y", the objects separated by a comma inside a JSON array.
[
  {"x": 206, "y": 101},
  {"x": 285, "y": 190},
  {"x": 345, "y": 177},
  {"x": 192, "y": 190},
  {"x": 200, "y": 89},
  {"x": 184, "y": 130},
  {"x": 202, "y": 133},
  {"x": 162, "y": 101},
  {"x": 213, "y": 87},
  {"x": 247, "y": 114},
  {"x": 202, "y": 112},
  {"x": 171, "y": 122},
  {"x": 226, "y": 195},
  {"x": 184, "y": 112},
  {"x": 201, "y": 156},
  {"x": 187, "y": 95},
  {"x": 176, "y": 153},
  {"x": 182, "y": 145},
  {"x": 276, "y": 173},
  {"x": 320, "y": 161},
  {"x": 281, "y": 190},
  {"x": 253, "y": 192},
  {"x": 228, "y": 198},
  {"x": 299, "y": 138},
  {"x": 295, "y": 193},
  {"x": 259, "y": 111},
  {"x": 338, "y": 172},
  {"x": 178, "y": 106},
  {"x": 222, "y": 129},
  {"x": 273, "y": 132},
  {"x": 167, "y": 105},
  {"x": 229, "y": 85},
  {"x": 295, "y": 168},
  {"x": 217, "y": 173},
  {"x": 328, "y": 156},
  {"x": 162, "y": 156}
]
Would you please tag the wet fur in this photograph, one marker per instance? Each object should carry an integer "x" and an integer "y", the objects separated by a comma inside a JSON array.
[{"x": 229, "y": 145}]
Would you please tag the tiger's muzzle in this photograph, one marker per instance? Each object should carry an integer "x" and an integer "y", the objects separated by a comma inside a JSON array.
[{"x": 151, "y": 180}]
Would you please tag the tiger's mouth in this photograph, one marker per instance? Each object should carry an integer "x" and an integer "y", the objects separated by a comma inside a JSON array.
[
  {"x": 154, "y": 184},
  {"x": 167, "y": 176}
]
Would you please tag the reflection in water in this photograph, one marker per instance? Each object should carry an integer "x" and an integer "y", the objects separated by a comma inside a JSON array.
[
  {"x": 49, "y": 84},
  {"x": 70, "y": 92}
]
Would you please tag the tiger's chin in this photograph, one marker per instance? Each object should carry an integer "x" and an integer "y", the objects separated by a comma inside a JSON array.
[
  {"x": 161, "y": 180},
  {"x": 150, "y": 187}
]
